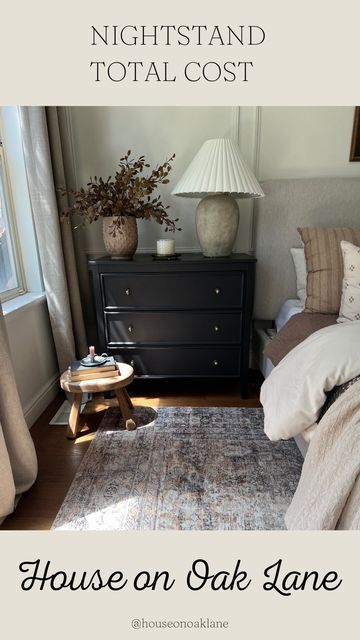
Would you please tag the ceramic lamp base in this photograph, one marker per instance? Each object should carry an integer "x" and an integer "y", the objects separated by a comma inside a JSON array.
[{"x": 217, "y": 221}]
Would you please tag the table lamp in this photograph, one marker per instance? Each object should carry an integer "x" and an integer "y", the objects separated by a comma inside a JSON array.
[{"x": 218, "y": 174}]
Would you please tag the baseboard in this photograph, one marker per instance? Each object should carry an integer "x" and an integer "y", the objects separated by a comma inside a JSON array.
[{"x": 42, "y": 399}]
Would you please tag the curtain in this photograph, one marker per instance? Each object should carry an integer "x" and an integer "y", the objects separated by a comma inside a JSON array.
[
  {"x": 18, "y": 464},
  {"x": 44, "y": 139}
]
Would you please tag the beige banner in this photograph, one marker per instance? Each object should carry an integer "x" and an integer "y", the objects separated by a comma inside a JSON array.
[
  {"x": 194, "y": 584},
  {"x": 109, "y": 53}
]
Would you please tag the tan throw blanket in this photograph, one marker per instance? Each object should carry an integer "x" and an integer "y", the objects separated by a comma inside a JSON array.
[{"x": 328, "y": 493}]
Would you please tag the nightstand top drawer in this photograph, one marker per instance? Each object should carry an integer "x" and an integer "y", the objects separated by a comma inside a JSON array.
[{"x": 215, "y": 290}]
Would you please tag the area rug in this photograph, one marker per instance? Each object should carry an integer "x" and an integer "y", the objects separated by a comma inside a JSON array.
[{"x": 183, "y": 468}]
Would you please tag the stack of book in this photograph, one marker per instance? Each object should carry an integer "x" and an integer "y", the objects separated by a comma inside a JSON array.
[{"x": 79, "y": 372}]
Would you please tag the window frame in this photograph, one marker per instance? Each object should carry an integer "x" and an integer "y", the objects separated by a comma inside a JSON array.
[{"x": 13, "y": 230}]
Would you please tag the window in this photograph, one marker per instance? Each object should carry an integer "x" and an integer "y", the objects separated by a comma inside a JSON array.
[
  {"x": 20, "y": 271},
  {"x": 11, "y": 280}
]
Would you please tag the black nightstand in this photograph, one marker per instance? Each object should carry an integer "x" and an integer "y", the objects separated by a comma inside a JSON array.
[{"x": 186, "y": 318}]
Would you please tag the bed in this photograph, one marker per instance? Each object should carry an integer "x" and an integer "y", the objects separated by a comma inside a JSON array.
[{"x": 313, "y": 375}]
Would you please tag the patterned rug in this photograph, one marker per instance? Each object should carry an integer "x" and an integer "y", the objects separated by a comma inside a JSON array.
[{"x": 183, "y": 468}]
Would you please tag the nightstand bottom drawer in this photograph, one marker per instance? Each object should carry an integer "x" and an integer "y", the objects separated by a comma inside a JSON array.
[{"x": 181, "y": 361}]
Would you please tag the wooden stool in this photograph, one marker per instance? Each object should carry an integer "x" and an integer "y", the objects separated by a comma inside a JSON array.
[{"x": 100, "y": 385}]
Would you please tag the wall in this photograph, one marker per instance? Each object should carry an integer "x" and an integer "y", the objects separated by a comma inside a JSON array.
[
  {"x": 33, "y": 356},
  {"x": 277, "y": 142},
  {"x": 101, "y": 135},
  {"x": 305, "y": 142}
]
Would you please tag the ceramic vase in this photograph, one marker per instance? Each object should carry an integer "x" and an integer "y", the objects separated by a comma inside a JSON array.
[{"x": 123, "y": 244}]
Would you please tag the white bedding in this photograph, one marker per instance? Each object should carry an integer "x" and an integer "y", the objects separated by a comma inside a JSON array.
[
  {"x": 295, "y": 391},
  {"x": 288, "y": 309}
]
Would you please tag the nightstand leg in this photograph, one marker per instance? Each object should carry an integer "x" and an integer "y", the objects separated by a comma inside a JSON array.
[
  {"x": 127, "y": 398},
  {"x": 125, "y": 410},
  {"x": 74, "y": 417}
]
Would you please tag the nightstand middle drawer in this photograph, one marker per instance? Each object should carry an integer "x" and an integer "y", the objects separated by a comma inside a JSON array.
[{"x": 167, "y": 327}]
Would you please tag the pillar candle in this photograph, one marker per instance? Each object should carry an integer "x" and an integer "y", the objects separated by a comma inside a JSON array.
[{"x": 165, "y": 247}]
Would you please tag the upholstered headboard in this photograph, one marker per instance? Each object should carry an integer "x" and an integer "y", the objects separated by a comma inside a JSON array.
[{"x": 288, "y": 204}]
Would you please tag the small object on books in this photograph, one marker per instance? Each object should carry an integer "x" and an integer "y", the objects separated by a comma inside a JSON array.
[
  {"x": 103, "y": 366},
  {"x": 96, "y": 361},
  {"x": 92, "y": 360}
]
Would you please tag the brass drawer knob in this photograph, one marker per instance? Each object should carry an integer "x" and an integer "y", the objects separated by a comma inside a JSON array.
[
  {"x": 128, "y": 292},
  {"x": 217, "y": 290},
  {"x": 216, "y": 362},
  {"x": 130, "y": 328},
  {"x": 216, "y": 328}
]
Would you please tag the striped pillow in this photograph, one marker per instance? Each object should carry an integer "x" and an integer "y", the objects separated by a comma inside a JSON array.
[{"x": 325, "y": 266}]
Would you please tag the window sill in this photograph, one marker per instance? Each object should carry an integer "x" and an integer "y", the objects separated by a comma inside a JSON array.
[{"x": 11, "y": 307}]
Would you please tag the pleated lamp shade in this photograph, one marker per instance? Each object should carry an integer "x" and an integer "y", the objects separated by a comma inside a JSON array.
[{"x": 217, "y": 168}]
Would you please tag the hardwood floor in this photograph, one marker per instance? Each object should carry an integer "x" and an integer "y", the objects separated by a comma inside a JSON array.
[{"x": 59, "y": 458}]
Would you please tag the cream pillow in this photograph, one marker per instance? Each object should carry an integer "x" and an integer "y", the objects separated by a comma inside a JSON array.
[
  {"x": 298, "y": 256},
  {"x": 350, "y": 297}
]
